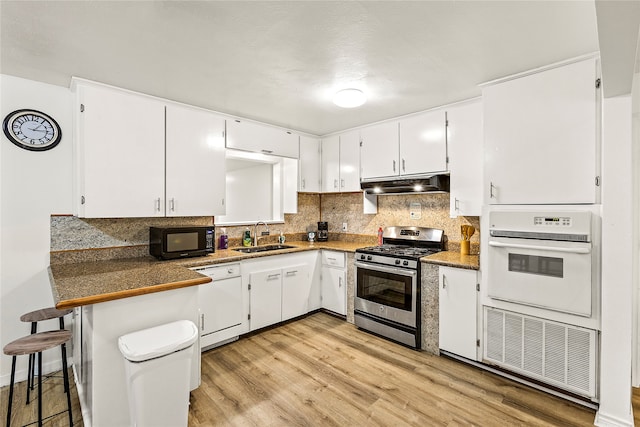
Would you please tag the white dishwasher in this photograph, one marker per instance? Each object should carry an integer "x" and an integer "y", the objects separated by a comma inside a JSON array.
[{"x": 221, "y": 319}]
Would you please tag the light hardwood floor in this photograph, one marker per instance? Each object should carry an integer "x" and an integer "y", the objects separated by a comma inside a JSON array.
[{"x": 322, "y": 371}]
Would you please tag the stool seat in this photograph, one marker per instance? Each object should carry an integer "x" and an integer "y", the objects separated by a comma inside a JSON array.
[
  {"x": 44, "y": 314},
  {"x": 36, "y": 343}
]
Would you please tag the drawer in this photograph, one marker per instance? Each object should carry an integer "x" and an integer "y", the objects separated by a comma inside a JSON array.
[
  {"x": 333, "y": 258},
  {"x": 219, "y": 272}
]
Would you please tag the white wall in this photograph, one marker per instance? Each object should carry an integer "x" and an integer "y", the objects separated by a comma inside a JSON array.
[
  {"x": 33, "y": 185},
  {"x": 617, "y": 263}
]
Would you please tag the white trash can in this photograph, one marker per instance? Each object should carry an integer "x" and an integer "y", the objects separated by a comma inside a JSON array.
[{"x": 158, "y": 369}]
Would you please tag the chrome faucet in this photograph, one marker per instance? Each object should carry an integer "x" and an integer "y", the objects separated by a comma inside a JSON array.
[{"x": 255, "y": 232}]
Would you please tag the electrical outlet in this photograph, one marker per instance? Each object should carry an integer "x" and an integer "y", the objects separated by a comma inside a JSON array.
[{"x": 344, "y": 226}]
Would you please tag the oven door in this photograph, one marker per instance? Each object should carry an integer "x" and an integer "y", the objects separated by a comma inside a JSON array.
[
  {"x": 554, "y": 275},
  {"x": 387, "y": 292}
]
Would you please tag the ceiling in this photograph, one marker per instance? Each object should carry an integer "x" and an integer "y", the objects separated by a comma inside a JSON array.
[{"x": 281, "y": 62}]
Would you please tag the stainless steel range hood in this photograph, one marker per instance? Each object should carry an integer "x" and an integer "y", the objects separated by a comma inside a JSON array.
[{"x": 416, "y": 184}]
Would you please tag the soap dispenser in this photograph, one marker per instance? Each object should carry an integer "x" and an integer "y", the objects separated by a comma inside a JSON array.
[
  {"x": 246, "y": 238},
  {"x": 223, "y": 240}
]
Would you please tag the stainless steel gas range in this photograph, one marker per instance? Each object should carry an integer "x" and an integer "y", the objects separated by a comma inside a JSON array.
[{"x": 387, "y": 300}]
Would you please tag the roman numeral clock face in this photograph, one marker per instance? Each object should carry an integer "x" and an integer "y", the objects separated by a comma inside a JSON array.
[{"x": 31, "y": 130}]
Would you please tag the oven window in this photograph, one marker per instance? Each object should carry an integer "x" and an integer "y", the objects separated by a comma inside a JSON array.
[
  {"x": 540, "y": 265},
  {"x": 389, "y": 289},
  {"x": 178, "y": 242}
]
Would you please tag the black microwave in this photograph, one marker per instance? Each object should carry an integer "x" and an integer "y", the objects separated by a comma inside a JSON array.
[{"x": 181, "y": 242}]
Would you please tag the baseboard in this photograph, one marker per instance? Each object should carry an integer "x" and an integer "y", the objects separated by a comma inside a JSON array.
[
  {"x": 21, "y": 374},
  {"x": 604, "y": 420}
]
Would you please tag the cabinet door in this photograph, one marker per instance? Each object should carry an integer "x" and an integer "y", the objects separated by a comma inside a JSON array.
[
  {"x": 120, "y": 154},
  {"x": 310, "y": 164},
  {"x": 423, "y": 143},
  {"x": 540, "y": 137},
  {"x": 220, "y": 305},
  {"x": 458, "y": 311},
  {"x": 289, "y": 186},
  {"x": 259, "y": 138},
  {"x": 379, "y": 153},
  {"x": 334, "y": 290},
  {"x": 296, "y": 286},
  {"x": 465, "y": 154},
  {"x": 350, "y": 161},
  {"x": 195, "y": 171},
  {"x": 265, "y": 298},
  {"x": 331, "y": 164}
]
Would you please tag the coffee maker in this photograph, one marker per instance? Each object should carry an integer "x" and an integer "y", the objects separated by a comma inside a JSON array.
[{"x": 323, "y": 231}]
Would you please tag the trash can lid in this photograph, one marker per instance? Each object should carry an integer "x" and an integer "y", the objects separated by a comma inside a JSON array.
[{"x": 158, "y": 341}]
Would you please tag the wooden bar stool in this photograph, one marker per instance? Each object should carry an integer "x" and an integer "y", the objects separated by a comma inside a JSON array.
[
  {"x": 36, "y": 344},
  {"x": 39, "y": 316}
]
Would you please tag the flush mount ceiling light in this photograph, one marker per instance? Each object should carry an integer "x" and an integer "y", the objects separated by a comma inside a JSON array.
[{"x": 349, "y": 98}]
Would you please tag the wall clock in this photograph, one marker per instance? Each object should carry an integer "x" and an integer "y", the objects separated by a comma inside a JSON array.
[{"x": 32, "y": 130}]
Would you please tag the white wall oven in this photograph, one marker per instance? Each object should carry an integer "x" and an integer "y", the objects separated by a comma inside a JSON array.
[{"x": 541, "y": 295}]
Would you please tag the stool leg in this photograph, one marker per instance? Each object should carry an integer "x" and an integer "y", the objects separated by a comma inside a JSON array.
[
  {"x": 40, "y": 389},
  {"x": 32, "y": 361},
  {"x": 13, "y": 377},
  {"x": 66, "y": 382}
]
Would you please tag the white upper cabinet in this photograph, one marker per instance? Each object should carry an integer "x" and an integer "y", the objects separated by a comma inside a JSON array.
[
  {"x": 379, "y": 153},
  {"x": 310, "y": 164},
  {"x": 195, "y": 170},
  {"x": 119, "y": 156},
  {"x": 465, "y": 158},
  {"x": 350, "y": 161},
  {"x": 340, "y": 163},
  {"x": 331, "y": 164},
  {"x": 259, "y": 138},
  {"x": 540, "y": 137},
  {"x": 423, "y": 143}
]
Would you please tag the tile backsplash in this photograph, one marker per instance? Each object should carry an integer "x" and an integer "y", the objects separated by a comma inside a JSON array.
[{"x": 70, "y": 233}]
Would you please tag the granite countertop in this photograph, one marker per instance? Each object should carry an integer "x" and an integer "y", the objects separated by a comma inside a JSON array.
[
  {"x": 91, "y": 282},
  {"x": 453, "y": 259}
]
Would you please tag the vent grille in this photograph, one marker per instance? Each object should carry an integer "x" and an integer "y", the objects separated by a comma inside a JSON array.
[{"x": 559, "y": 354}]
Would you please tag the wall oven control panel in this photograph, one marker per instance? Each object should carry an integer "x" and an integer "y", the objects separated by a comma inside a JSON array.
[{"x": 556, "y": 221}]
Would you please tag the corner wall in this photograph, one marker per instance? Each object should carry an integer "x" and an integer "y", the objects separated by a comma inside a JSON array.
[{"x": 33, "y": 185}]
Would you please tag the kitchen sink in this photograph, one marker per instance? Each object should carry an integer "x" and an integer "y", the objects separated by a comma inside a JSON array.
[{"x": 265, "y": 248}]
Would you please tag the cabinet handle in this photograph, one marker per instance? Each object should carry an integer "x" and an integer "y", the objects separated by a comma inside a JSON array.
[
  {"x": 303, "y": 184},
  {"x": 172, "y": 204},
  {"x": 403, "y": 168},
  {"x": 342, "y": 183},
  {"x": 202, "y": 322},
  {"x": 230, "y": 271},
  {"x": 444, "y": 285},
  {"x": 394, "y": 165},
  {"x": 339, "y": 282},
  {"x": 457, "y": 204},
  {"x": 273, "y": 276},
  {"x": 267, "y": 151},
  {"x": 292, "y": 273},
  {"x": 491, "y": 187},
  {"x": 335, "y": 183},
  {"x": 158, "y": 204}
]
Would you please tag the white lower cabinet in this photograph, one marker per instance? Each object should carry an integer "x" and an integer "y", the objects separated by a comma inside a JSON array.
[
  {"x": 458, "y": 319},
  {"x": 265, "y": 298},
  {"x": 279, "y": 287},
  {"x": 334, "y": 282},
  {"x": 296, "y": 286},
  {"x": 220, "y": 304}
]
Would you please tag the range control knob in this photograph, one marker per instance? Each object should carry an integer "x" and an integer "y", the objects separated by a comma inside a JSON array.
[
  {"x": 362, "y": 256},
  {"x": 397, "y": 262},
  {"x": 405, "y": 263},
  {"x": 369, "y": 258}
]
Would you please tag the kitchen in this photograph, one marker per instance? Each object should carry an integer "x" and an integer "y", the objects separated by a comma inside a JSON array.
[{"x": 56, "y": 173}]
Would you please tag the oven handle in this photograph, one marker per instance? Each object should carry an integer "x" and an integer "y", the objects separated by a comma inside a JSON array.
[
  {"x": 540, "y": 248},
  {"x": 400, "y": 271}
]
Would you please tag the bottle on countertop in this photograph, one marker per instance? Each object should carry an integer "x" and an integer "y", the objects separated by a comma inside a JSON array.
[
  {"x": 379, "y": 236},
  {"x": 246, "y": 237},
  {"x": 223, "y": 240},
  {"x": 281, "y": 238}
]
